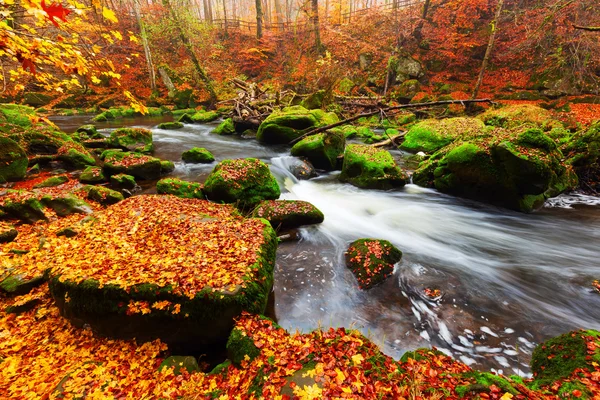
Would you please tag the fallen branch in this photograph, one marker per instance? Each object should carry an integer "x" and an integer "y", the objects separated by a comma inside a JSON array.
[
  {"x": 587, "y": 28},
  {"x": 385, "y": 110},
  {"x": 391, "y": 140}
]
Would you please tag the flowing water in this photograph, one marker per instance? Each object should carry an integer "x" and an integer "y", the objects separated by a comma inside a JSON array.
[{"x": 508, "y": 280}]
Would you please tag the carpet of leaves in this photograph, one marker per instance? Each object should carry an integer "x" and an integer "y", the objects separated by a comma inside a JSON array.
[{"x": 190, "y": 244}]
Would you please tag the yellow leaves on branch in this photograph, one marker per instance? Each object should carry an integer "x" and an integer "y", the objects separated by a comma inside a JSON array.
[{"x": 109, "y": 15}]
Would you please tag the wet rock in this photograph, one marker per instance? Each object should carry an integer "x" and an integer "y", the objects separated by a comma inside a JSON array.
[
  {"x": 199, "y": 117},
  {"x": 369, "y": 167},
  {"x": 302, "y": 169},
  {"x": 133, "y": 139},
  {"x": 13, "y": 160},
  {"x": 166, "y": 167},
  {"x": 197, "y": 155},
  {"x": 288, "y": 124},
  {"x": 170, "y": 125},
  {"x": 288, "y": 214},
  {"x": 225, "y": 128},
  {"x": 322, "y": 149},
  {"x": 583, "y": 153},
  {"x": 243, "y": 181},
  {"x": 372, "y": 261},
  {"x": 89, "y": 129},
  {"x": 23, "y": 206},
  {"x": 180, "y": 188},
  {"x": 123, "y": 181},
  {"x": 135, "y": 164},
  {"x": 433, "y": 134}
]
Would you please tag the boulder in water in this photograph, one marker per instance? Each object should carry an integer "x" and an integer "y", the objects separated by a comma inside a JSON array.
[
  {"x": 371, "y": 261},
  {"x": 225, "y": 128},
  {"x": 170, "y": 125},
  {"x": 133, "y": 139},
  {"x": 288, "y": 124},
  {"x": 370, "y": 167},
  {"x": 197, "y": 155},
  {"x": 288, "y": 214},
  {"x": 199, "y": 117},
  {"x": 245, "y": 181},
  {"x": 322, "y": 149},
  {"x": 302, "y": 169}
]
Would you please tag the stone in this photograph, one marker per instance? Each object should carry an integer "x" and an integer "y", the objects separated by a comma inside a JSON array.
[
  {"x": 52, "y": 181},
  {"x": 197, "y": 155},
  {"x": 135, "y": 164},
  {"x": 371, "y": 168},
  {"x": 199, "y": 117},
  {"x": 8, "y": 233},
  {"x": 433, "y": 134},
  {"x": 245, "y": 182},
  {"x": 66, "y": 204},
  {"x": 23, "y": 206},
  {"x": 13, "y": 160},
  {"x": 170, "y": 125},
  {"x": 288, "y": 214},
  {"x": 133, "y": 139},
  {"x": 288, "y": 124},
  {"x": 372, "y": 261},
  {"x": 123, "y": 181},
  {"x": 322, "y": 149},
  {"x": 180, "y": 188},
  {"x": 225, "y": 128},
  {"x": 103, "y": 195},
  {"x": 92, "y": 175}
]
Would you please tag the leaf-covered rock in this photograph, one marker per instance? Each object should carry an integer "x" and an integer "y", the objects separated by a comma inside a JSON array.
[
  {"x": 197, "y": 155},
  {"x": 322, "y": 149},
  {"x": 65, "y": 204},
  {"x": 199, "y": 117},
  {"x": 245, "y": 182},
  {"x": 372, "y": 260},
  {"x": 372, "y": 168},
  {"x": 52, "y": 181},
  {"x": 8, "y": 233},
  {"x": 123, "y": 181},
  {"x": 288, "y": 214},
  {"x": 130, "y": 163},
  {"x": 515, "y": 115},
  {"x": 103, "y": 195},
  {"x": 92, "y": 175}
]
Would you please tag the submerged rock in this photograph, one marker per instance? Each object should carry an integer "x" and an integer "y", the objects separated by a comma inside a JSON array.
[
  {"x": 243, "y": 181},
  {"x": 371, "y": 261},
  {"x": 517, "y": 169},
  {"x": 369, "y": 167},
  {"x": 322, "y": 149},
  {"x": 288, "y": 214},
  {"x": 170, "y": 125},
  {"x": 176, "y": 269}
]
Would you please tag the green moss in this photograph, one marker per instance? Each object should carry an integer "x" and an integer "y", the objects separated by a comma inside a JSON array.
[
  {"x": 316, "y": 100},
  {"x": 28, "y": 210},
  {"x": 199, "y": 117},
  {"x": 52, "y": 181},
  {"x": 322, "y": 149},
  {"x": 133, "y": 139},
  {"x": 285, "y": 125},
  {"x": 7, "y": 234},
  {"x": 92, "y": 175},
  {"x": 431, "y": 135},
  {"x": 135, "y": 164},
  {"x": 197, "y": 155},
  {"x": 77, "y": 158},
  {"x": 420, "y": 354},
  {"x": 17, "y": 114},
  {"x": 65, "y": 205},
  {"x": 225, "y": 128},
  {"x": 536, "y": 138},
  {"x": 13, "y": 160},
  {"x": 369, "y": 167},
  {"x": 513, "y": 116},
  {"x": 179, "y": 188},
  {"x": 483, "y": 381},
  {"x": 166, "y": 166},
  {"x": 221, "y": 369},
  {"x": 89, "y": 129},
  {"x": 123, "y": 181},
  {"x": 241, "y": 347},
  {"x": 170, "y": 125},
  {"x": 104, "y": 195},
  {"x": 17, "y": 285},
  {"x": 567, "y": 388},
  {"x": 243, "y": 181}
]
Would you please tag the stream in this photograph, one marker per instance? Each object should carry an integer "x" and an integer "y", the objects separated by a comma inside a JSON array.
[{"x": 508, "y": 280}]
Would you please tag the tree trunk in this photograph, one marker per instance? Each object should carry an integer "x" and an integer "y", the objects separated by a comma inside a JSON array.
[
  {"x": 488, "y": 51},
  {"x": 278, "y": 14},
  {"x": 259, "y": 15},
  {"x": 225, "y": 18},
  {"x": 190, "y": 51},
  {"x": 425, "y": 8},
  {"x": 166, "y": 79},
  {"x": 210, "y": 11},
  {"x": 207, "y": 13},
  {"x": 151, "y": 73},
  {"x": 315, "y": 24}
]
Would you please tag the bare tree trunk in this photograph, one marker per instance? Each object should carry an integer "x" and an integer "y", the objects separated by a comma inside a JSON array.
[
  {"x": 207, "y": 13},
  {"x": 278, "y": 14},
  {"x": 147, "y": 53},
  {"x": 315, "y": 24},
  {"x": 426, "y": 8},
  {"x": 210, "y": 11},
  {"x": 225, "y": 17},
  {"x": 488, "y": 51},
  {"x": 190, "y": 51},
  {"x": 166, "y": 79},
  {"x": 259, "y": 15}
]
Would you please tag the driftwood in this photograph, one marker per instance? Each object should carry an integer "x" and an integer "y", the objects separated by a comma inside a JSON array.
[{"x": 386, "y": 110}]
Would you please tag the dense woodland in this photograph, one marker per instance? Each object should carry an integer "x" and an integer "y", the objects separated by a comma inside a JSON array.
[{"x": 128, "y": 270}]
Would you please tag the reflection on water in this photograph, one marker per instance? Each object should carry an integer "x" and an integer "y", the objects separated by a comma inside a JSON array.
[{"x": 509, "y": 280}]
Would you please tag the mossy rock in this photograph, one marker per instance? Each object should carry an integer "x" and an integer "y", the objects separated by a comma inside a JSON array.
[
  {"x": 288, "y": 124},
  {"x": 371, "y": 168},
  {"x": 67, "y": 232},
  {"x": 288, "y": 214},
  {"x": 193, "y": 308},
  {"x": 133, "y": 139},
  {"x": 180, "y": 363},
  {"x": 559, "y": 357},
  {"x": 104, "y": 195},
  {"x": 583, "y": 153},
  {"x": 513, "y": 169},
  {"x": 7, "y": 233},
  {"x": 75, "y": 155},
  {"x": 349, "y": 131},
  {"x": 135, "y": 164},
  {"x": 17, "y": 114},
  {"x": 513, "y": 116},
  {"x": 16, "y": 285},
  {"x": 179, "y": 188},
  {"x": 52, "y": 181},
  {"x": 483, "y": 383},
  {"x": 197, "y": 155},
  {"x": 13, "y": 160},
  {"x": 88, "y": 129},
  {"x": 166, "y": 166},
  {"x": 431, "y": 135},
  {"x": 406, "y": 91},
  {"x": 225, "y": 128},
  {"x": 123, "y": 181},
  {"x": 27, "y": 209},
  {"x": 322, "y": 149},
  {"x": 92, "y": 175},
  {"x": 170, "y": 125},
  {"x": 199, "y": 117},
  {"x": 372, "y": 261},
  {"x": 36, "y": 99},
  {"x": 65, "y": 205},
  {"x": 316, "y": 100},
  {"x": 240, "y": 347},
  {"x": 245, "y": 182}
]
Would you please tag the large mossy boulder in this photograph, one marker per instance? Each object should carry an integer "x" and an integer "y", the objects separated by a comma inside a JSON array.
[
  {"x": 583, "y": 153},
  {"x": 123, "y": 181},
  {"x": 66, "y": 204},
  {"x": 322, "y": 149},
  {"x": 517, "y": 169},
  {"x": 431, "y": 135},
  {"x": 133, "y": 139},
  {"x": 244, "y": 181},
  {"x": 225, "y": 128},
  {"x": 13, "y": 160},
  {"x": 180, "y": 188},
  {"x": 199, "y": 117},
  {"x": 92, "y": 175},
  {"x": 515, "y": 115},
  {"x": 371, "y": 168},
  {"x": 197, "y": 155},
  {"x": 103, "y": 195},
  {"x": 288, "y": 124},
  {"x": 22, "y": 205},
  {"x": 135, "y": 164},
  {"x": 170, "y": 125},
  {"x": 405, "y": 68},
  {"x": 288, "y": 214},
  {"x": 557, "y": 358},
  {"x": 8, "y": 233},
  {"x": 372, "y": 261},
  {"x": 17, "y": 114},
  {"x": 75, "y": 156},
  {"x": 213, "y": 264}
]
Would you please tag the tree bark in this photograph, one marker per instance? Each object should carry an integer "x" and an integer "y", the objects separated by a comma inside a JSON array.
[
  {"x": 225, "y": 17},
  {"x": 207, "y": 13},
  {"x": 190, "y": 51},
  {"x": 151, "y": 73},
  {"x": 425, "y": 9},
  {"x": 259, "y": 16},
  {"x": 166, "y": 79},
  {"x": 315, "y": 23},
  {"x": 488, "y": 51}
]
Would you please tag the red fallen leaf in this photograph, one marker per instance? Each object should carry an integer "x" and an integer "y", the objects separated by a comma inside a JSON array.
[
  {"x": 26, "y": 63},
  {"x": 577, "y": 393},
  {"x": 55, "y": 10}
]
